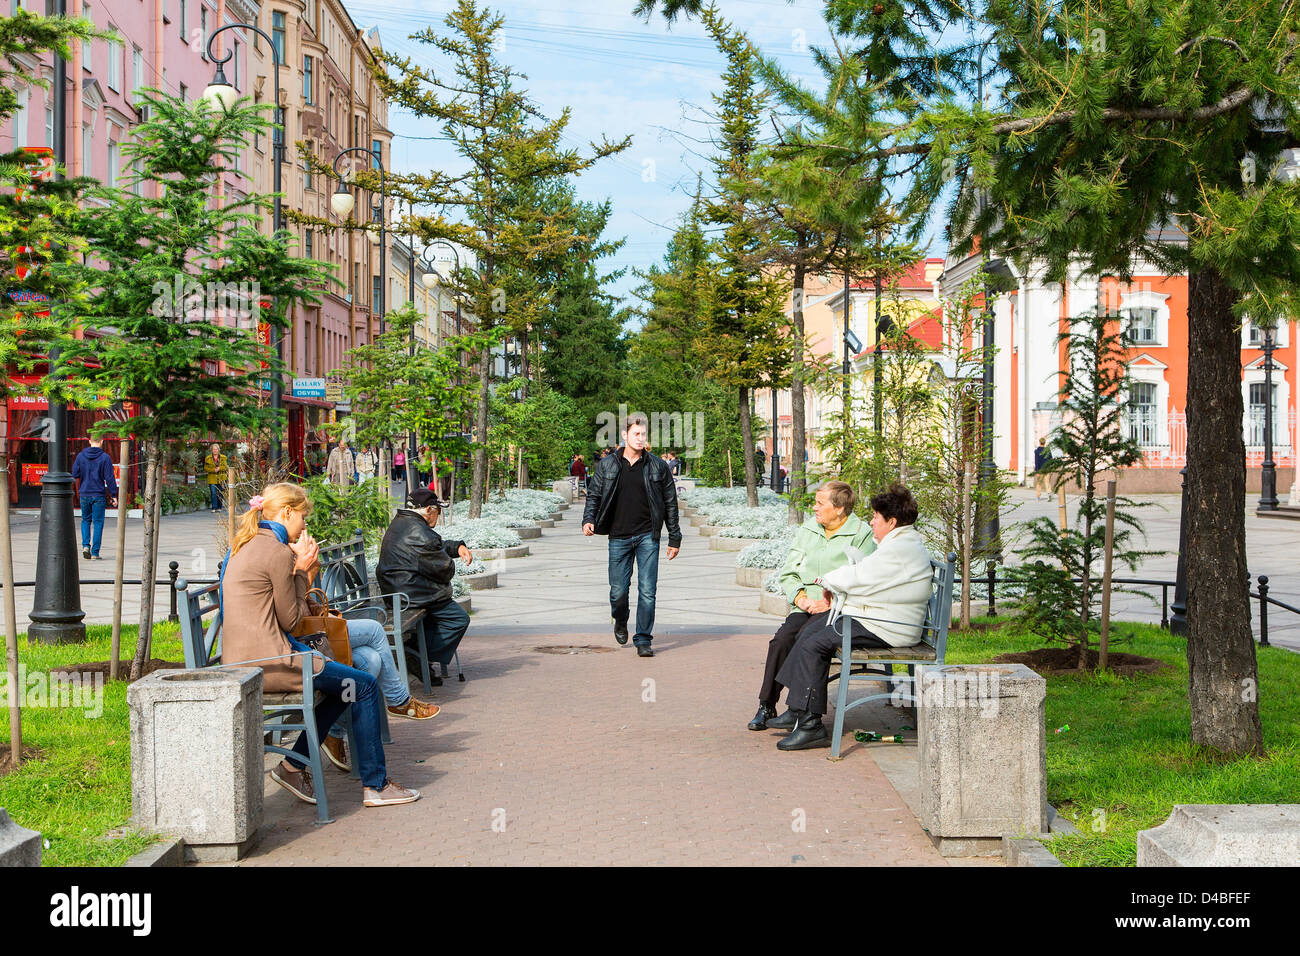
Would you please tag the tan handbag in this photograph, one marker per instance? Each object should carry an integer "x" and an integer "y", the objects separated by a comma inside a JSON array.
[{"x": 332, "y": 625}]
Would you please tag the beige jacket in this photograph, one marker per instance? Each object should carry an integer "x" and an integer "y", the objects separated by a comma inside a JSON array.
[
  {"x": 340, "y": 467},
  {"x": 262, "y": 597}
]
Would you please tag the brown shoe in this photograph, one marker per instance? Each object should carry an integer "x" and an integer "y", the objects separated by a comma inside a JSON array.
[
  {"x": 297, "y": 782},
  {"x": 415, "y": 710},
  {"x": 390, "y": 796},
  {"x": 336, "y": 749}
]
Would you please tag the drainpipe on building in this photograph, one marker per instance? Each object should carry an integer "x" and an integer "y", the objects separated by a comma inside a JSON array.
[{"x": 1026, "y": 426}]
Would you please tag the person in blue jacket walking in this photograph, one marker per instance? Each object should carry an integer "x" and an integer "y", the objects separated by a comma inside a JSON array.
[{"x": 92, "y": 474}]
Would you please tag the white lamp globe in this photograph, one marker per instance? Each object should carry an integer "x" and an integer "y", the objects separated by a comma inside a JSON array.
[{"x": 342, "y": 202}]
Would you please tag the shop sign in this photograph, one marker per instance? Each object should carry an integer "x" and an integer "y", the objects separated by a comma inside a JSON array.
[
  {"x": 32, "y": 474},
  {"x": 309, "y": 387}
]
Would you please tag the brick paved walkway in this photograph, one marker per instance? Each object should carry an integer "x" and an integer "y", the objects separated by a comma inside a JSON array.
[{"x": 607, "y": 758}]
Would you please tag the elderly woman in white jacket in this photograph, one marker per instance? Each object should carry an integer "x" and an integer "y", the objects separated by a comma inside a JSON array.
[{"x": 885, "y": 597}]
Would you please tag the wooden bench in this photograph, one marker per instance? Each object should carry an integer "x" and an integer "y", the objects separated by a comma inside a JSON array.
[
  {"x": 281, "y": 713},
  {"x": 346, "y": 580},
  {"x": 930, "y": 650}
]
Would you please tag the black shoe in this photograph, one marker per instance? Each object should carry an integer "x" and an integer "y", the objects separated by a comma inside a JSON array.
[
  {"x": 787, "y": 721},
  {"x": 85, "y": 553},
  {"x": 765, "y": 714},
  {"x": 643, "y": 650},
  {"x": 810, "y": 733},
  {"x": 620, "y": 632}
]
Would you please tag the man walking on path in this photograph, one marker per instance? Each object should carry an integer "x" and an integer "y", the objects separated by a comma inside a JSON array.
[
  {"x": 92, "y": 473},
  {"x": 630, "y": 496},
  {"x": 215, "y": 468},
  {"x": 341, "y": 466}
]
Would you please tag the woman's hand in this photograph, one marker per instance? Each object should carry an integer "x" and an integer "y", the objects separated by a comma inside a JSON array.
[{"x": 307, "y": 552}]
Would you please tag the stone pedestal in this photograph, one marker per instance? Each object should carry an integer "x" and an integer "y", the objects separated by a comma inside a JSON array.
[
  {"x": 1247, "y": 834},
  {"x": 18, "y": 845},
  {"x": 528, "y": 534},
  {"x": 981, "y": 753},
  {"x": 196, "y": 758},
  {"x": 564, "y": 489}
]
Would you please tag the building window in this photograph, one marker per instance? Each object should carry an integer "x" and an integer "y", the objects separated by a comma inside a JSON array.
[
  {"x": 21, "y": 118},
  {"x": 307, "y": 84},
  {"x": 234, "y": 62},
  {"x": 115, "y": 50},
  {"x": 137, "y": 69},
  {"x": 277, "y": 34},
  {"x": 1143, "y": 414},
  {"x": 377, "y": 296},
  {"x": 1255, "y": 421},
  {"x": 185, "y": 93},
  {"x": 87, "y": 61},
  {"x": 307, "y": 244},
  {"x": 203, "y": 33},
  {"x": 111, "y": 179},
  {"x": 49, "y": 126},
  {"x": 86, "y": 152},
  {"x": 184, "y": 20},
  {"x": 378, "y": 150},
  {"x": 1143, "y": 326}
]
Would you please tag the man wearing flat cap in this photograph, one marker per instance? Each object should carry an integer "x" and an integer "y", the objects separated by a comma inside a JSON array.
[{"x": 415, "y": 561}]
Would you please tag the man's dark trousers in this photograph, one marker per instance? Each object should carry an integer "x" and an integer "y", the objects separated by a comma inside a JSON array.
[
  {"x": 645, "y": 550},
  {"x": 443, "y": 627},
  {"x": 808, "y": 668}
]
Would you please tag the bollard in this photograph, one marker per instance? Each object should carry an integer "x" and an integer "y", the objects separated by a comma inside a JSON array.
[
  {"x": 992, "y": 580},
  {"x": 1263, "y": 610},
  {"x": 173, "y": 571}
]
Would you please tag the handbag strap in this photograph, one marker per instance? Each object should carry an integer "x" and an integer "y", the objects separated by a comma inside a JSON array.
[{"x": 324, "y": 601}]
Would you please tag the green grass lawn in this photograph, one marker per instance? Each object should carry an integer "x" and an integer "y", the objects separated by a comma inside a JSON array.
[
  {"x": 80, "y": 788},
  {"x": 1127, "y": 759}
]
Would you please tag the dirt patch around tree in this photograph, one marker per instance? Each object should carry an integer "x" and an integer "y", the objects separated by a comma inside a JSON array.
[
  {"x": 7, "y": 761},
  {"x": 1054, "y": 661},
  {"x": 123, "y": 668}
]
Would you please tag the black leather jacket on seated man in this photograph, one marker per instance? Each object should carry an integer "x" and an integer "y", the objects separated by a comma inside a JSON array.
[
  {"x": 415, "y": 561},
  {"x": 660, "y": 492}
]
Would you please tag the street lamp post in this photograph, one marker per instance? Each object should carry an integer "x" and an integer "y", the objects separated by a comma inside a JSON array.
[
  {"x": 56, "y": 615},
  {"x": 1178, "y": 615},
  {"x": 431, "y": 280},
  {"x": 220, "y": 93},
  {"x": 1268, "y": 472}
]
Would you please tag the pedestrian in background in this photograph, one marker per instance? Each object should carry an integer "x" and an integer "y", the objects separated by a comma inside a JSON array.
[
  {"x": 1041, "y": 457},
  {"x": 341, "y": 466},
  {"x": 95, "y": 485},
  {"x": 366, "y": 462},
  {"x": 215, "y": 466}
]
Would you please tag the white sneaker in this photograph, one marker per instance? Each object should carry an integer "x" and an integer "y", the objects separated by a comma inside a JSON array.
[{"x": 390, "y": 796}]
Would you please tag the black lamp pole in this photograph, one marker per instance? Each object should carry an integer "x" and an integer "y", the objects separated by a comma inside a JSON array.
[
  {"x": 847, "y": 367},
  {"x": 1268, "y": 472},
  {"x": 277, "y": 149},
  {"x": 56, "y": 614},
  {"x": 1178, "y": 615}
]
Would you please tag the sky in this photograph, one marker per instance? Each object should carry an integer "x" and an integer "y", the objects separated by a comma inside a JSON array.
[{"x": 620, "y": 76}]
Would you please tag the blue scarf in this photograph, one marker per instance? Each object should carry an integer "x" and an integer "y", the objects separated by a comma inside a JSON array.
[{"x": 281, "y": 534}]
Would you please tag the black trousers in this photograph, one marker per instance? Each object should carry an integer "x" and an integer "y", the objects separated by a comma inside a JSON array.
[
  {"x": 778, "y": 649},
  {"x": 807, "y": 668}
]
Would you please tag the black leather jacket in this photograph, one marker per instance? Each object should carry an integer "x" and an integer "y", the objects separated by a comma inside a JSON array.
[
  {"x": 415, "y": 561},
  {"x": 660, "y": 489}
]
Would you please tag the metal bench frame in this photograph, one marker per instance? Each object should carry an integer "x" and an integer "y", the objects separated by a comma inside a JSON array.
[
  {"x": 286, "y": 712},
  {"x": 934, "y": 638},
  {"x": 353, "y": 599}
]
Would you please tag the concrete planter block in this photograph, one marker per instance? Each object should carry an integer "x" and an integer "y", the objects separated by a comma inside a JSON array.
[
  {"x": 770, "y": 603},
  {"x": 698, "y": 520},
  {"x": 564, "y": 488},
  {"x": 708, "y": 530},
  {"x": 982, "y": 751},
  {"x": 19, "y": 846},
  {"x": 489, "y": 554},
  {"x": 685, "y": 512},
  {"x": 1247, "y": 834},
  {"x": 196, "y": 758},
  {"x": 685, "y": 486},
  {"x": 465, "y": 603},
  {"x": 556, "y": 516},
  {"x": 719, "y": 543},
  {"x": 1027, "y": 851},
  {"x": 546, "y": 523},
  {"x": 562, "y": 508},
  {"x": 528, "y": 534},
  {"x": 480, "y": 582},
  {"x": 751, "y": 577}
]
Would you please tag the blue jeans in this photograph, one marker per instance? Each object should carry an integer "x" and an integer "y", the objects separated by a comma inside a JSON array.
[
  {"x": 443, "y": 627},
  {"x": 92, "y": 513},
  {"x": 371, "y": 653},
  {"x": 214, "y": 497},
  {"x": 344, "y": 687},
  {"x": 645, "y": 549}
]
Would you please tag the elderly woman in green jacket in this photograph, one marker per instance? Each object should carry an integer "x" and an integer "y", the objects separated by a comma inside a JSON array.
[{"x": 820, "y": 546}]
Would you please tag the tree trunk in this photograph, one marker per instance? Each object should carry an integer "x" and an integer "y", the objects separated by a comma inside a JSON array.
[
  {"x": 478, "y": 485},
  {"x": 747, "y": 442},
  {"x": 147, "y": 563},
  {"x": 11, "y": 618},
  {"x": 119, "y": 564},
  {"x": 1223, "y": 687},
  {"x": 798, "y": 437},
  {"x": 523, "y": 371}
]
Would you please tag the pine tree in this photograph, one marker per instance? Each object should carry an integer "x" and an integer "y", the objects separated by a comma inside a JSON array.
[
  {"x": 156, "y": 267},
  {"x": 505, "y": 143}
]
